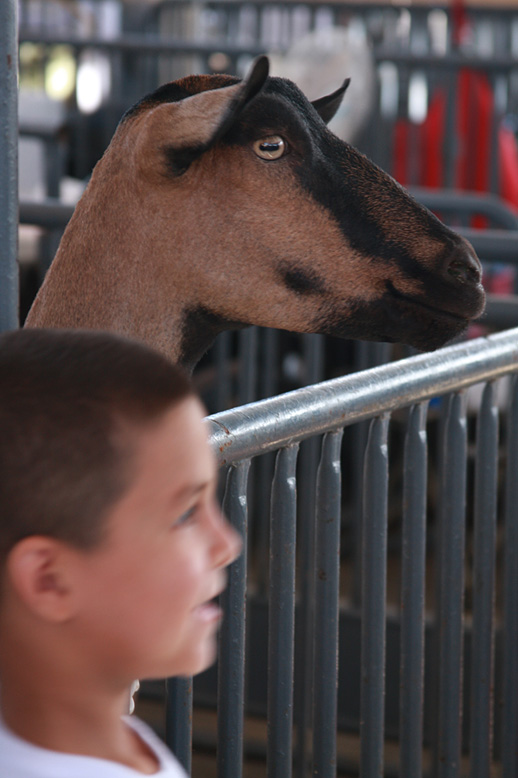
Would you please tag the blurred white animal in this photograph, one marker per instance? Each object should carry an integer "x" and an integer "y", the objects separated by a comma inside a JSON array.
[{"x": 316, "y": 60}]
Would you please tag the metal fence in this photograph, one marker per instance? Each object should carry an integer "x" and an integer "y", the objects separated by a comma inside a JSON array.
[{"x": 457, "y": 707}]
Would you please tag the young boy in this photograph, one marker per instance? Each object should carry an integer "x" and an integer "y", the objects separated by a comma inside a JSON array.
[{"x": 112, "y": 549}]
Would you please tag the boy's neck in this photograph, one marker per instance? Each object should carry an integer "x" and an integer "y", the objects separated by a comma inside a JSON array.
[{"x": 67, "y": 712}]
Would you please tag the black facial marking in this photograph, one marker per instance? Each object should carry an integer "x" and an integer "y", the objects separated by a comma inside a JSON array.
[
  {"x": 302, "y": 281},
  {"x": 368, "y": 200},
  {"x": 200, "y": 327},
  {"x": 177, "y": 161},
  {"x": 420, "y": 327}
]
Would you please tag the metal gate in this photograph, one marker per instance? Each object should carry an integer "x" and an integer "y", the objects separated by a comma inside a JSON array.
[{"x": 458, "y": 708}]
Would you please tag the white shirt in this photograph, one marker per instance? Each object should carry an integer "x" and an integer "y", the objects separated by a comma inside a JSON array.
[{"x": 21, "y": 759}]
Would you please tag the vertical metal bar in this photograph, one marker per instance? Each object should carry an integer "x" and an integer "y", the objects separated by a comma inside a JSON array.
[
  {"x": 437, "y": 539},
  {"x": 493, "y": 173},
  {"x": 451, "y": 140},
  {"x": 360, "y": 433},
  {"x": 313, "y": 346},
  {"x": 269, "y": 375},
  {"x": 368, "y": 355},
  {"x": 510, "y": 637},
  {"x": 452, "y": 592},
  {"x": 281, "y": 616},
  {"x": 327, "y": 591},
  {"x": 247, "y": 387},
  {"x": 259, "y": 523},
  {"x": 413, "y": 592},
  {"x": 231, "y": 670},
  {"x": 178, "y": 719},
  {"x": 8, "y": 165},
  {"x": 378, "y": 140},
  {"x": 268, "y": 387},
  {"x": 482, "y": 641},
  {"x": 374, "y": 575},
  {"x": 222, "y": 361},
  {"x": 313, "y": 349}
]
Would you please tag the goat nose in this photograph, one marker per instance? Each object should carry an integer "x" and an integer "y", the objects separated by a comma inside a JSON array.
[{"x": 464, "y": 266}]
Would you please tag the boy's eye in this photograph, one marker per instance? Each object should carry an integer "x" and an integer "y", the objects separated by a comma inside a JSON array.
[{"x": 185, "y": 517}]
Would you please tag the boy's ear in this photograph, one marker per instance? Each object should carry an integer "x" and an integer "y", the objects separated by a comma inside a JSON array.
[{"x": 37, "y": 570}]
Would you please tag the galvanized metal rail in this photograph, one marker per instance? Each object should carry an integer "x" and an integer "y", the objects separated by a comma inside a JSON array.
[{"x": 279, "y": 421}]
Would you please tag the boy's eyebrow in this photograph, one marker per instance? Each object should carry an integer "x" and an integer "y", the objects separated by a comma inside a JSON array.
[{"x": 192, "y": 490}]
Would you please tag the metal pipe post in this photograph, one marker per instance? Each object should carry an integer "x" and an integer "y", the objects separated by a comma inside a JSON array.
[
  {"x": 374, "y": 589},
  {"x": 327, "y": 594},
  {"x": 8, "y": 165},
  {"x": 452, "y": 591},
  {"x": 510, "y": 636},
  {"x": 483, "y": 631},
  {"x": 178, "y": 720},
  {"x": 231, "y": 676},
  {"x": 413, "y": 566},
  {"x": 281, "y": 618}
]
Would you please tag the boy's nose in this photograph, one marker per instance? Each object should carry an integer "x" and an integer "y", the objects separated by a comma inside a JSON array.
[{"x": 228, "y": 543}]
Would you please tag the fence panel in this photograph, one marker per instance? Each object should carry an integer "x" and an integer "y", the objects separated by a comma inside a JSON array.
[{"x": 462, "y": 662}]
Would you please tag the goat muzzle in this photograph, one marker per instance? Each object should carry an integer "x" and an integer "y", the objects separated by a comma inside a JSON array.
[{"x": 463, "y": 266}]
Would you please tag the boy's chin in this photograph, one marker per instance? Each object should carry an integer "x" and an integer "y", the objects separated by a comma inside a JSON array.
[
  {"x": 189, "y": 661},
  {"x": 203, "y": 661},
  {"x": 198, "y": 660}
]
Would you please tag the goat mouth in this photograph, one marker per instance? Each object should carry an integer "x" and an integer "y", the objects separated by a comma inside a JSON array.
[
  {"x": 437, "y": 311},
  {"x": 399, "y": 318}
]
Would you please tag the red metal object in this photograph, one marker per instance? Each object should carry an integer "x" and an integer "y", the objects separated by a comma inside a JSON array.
[{"x": 473, "y": 134}]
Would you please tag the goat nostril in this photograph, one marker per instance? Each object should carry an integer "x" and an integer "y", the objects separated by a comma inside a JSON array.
[
  {"x": 458, "y": 270},
  {"x": 464, "y": 268}
]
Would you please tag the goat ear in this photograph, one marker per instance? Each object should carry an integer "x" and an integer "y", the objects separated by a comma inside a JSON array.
[
  {"x": 248, "y": 88},
  {"x": 202, "y": 119},
  {"x": 327, "y": 106}
]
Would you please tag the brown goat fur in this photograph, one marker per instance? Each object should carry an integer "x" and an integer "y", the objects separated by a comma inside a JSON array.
[{"x": 186, "y": 230}]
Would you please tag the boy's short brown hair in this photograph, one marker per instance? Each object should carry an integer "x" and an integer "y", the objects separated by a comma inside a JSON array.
[{"x": 69, "y": 401}]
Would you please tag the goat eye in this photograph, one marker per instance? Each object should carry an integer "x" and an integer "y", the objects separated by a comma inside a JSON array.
[{"x": 272, "y": 147}]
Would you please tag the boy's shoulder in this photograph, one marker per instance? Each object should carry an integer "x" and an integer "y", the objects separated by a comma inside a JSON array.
[{"x": 20, "y": 759}]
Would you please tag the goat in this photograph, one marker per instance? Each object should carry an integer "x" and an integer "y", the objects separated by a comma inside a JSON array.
[{"x": 223, "y": 202}]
